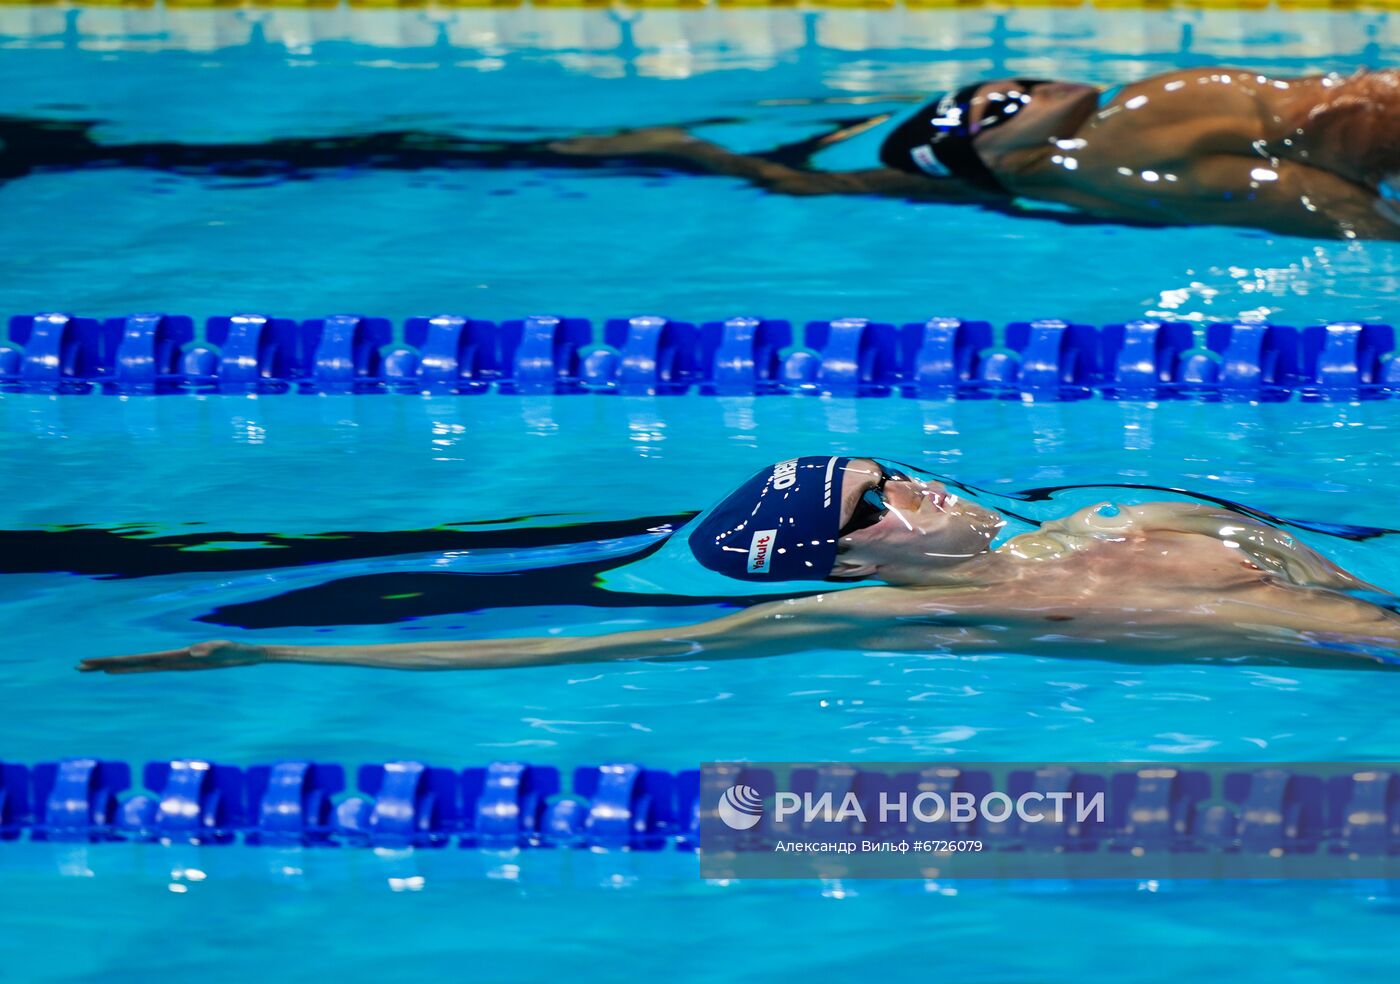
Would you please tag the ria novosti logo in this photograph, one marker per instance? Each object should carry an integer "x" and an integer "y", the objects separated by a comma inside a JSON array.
[{"x": 740, "y": 807}]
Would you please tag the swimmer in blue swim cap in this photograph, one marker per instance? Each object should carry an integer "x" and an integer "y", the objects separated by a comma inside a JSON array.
[
  {"x": 1312, "y": 156},
  {"x": 1159, "y": 582}
]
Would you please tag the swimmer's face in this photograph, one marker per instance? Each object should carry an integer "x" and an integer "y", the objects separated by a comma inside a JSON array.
[
  {"x": 1056, "y": 110},
  {"x": 923, "y": 530}
]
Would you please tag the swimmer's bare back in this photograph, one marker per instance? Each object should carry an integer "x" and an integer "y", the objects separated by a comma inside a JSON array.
[{"x": 1158, "y": 583}]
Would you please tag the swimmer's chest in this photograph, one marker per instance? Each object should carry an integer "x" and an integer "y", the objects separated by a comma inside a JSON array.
[
  {"x": 1178, "y": 118},
  {"x": 1135, "y": 569}
]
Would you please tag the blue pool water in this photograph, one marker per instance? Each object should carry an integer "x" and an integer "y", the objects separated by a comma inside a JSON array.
[
  {"x": 212, "y": 469},
  {"x": 295, "y": 465},
  {"x": 496, "y": 244}
]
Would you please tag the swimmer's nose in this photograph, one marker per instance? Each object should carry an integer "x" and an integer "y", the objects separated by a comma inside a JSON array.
[{"x": 910, "y": 493}]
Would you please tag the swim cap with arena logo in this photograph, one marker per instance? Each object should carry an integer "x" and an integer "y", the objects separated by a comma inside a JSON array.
[{"x": 780, "y": 525}]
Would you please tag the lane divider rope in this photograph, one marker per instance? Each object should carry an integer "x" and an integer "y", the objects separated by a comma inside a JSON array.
[
  {"x": 627, "y": 806},
  {"x": 938, "y": 357}
]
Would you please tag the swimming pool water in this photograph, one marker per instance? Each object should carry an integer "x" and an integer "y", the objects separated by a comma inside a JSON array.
[
  {"x": 496, "y": 244},
  {"x": 302, "y": 466},
  {"x": 298, "y": 466}
]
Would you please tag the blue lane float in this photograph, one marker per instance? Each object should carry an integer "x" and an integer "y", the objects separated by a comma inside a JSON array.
[
  {"x": 146, "y": 349},
  {"x": 625, "y": 806},
  {"x": 937, "y": 358},
  {"x": 342, "y": 350},
  {"x": 291, "y": 802}
]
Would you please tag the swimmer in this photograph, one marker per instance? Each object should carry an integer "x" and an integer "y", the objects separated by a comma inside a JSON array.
[
  {"x": 1159, "y": 582},
  {"x": 1313, "y": 156}
]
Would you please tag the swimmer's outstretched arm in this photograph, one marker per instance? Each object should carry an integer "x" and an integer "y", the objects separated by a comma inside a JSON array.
[
  {"x": 836, "y": 620},
  {"x": 1276, "y": 622},
  {"x": 672, "y": 144},
  {"x": 27, "y": 145}
]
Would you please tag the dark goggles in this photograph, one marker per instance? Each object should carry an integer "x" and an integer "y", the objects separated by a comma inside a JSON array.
[
  {"x": 998, "y": 106},
  {"x": 871, "y": 506}
]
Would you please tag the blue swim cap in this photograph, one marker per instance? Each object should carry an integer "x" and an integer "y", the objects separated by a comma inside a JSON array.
[{"x": 780, "y": 525}]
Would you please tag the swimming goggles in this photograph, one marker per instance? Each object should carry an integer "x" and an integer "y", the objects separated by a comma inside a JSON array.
[
  {"x": 998, "y": 105},
  {"x": 871, "y": 506}
]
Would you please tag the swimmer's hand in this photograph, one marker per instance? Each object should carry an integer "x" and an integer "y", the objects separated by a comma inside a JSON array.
[
  {"x": 201, "y": 656},
  {"x": 647, "y": 140}
]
